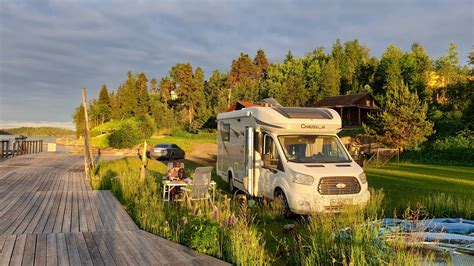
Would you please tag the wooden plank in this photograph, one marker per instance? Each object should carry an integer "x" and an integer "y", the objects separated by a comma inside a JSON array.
[
  {"x": 88, "y": 212},
  {"x": 119, "y": 252},
  {"x": 72, "y": 251},
  {"x": 58, "y": 224},
  {"x": 124, "y": 221},
  {"x": 93, "y": 250},
  {"x": 151, "y": 255},
  {"x": 18, "y": 250},
  {"x": 35, "y": 220},
  {"x": 128, "y": 249},
  {"x": 107, "y": 225},
  {"x": 62, "y": 250},
  {"x": 82, "y": 212},
  {"x": 95, "y": 212},
  {"x": 13, "y": 213},
  {"x": 74, "y": 214},
  {"x": 51, "y": 250},
  {"x": 48, "y": 228},
  {"x": 172, "y": 251},
  {"x": 20, "y": 215},
  {"x": 7, "y": 249},
  {"x": 40, "y": 254},
  {"x": 105, "y": 254},
  {"x": 47, "y": 212},
  {"x": 111, "y": 222},
  {"x": 67, "y": 213},
  {"x": 29, "y": 253},
  {"x": 31, "y": 213},
  {"x": 82, "y": 249}
]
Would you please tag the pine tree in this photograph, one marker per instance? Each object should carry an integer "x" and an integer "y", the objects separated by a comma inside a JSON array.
[
  {"x": 79, "y": 119},
  {"x": 154, "y": 86},
  {"x": 104, "y": 96},
  {"x": 261, "y": 62},
  {"x": 166, "y": 87},
  {"x": 330, "y": 80},
  {"x": 401, "y": 121}
]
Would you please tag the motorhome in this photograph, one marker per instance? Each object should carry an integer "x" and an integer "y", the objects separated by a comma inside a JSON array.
[{"x": 290, "y": 153}]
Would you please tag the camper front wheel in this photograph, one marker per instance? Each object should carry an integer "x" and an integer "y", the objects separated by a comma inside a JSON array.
[{"x": 280, "y": 196}]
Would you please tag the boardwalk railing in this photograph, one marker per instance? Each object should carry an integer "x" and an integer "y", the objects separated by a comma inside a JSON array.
[{"x": 19, "y": 147}]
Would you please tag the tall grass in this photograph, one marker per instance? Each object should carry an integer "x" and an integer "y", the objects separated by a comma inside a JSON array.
[
  {"x": 247, "y": 234},
  {"x": 220, "y": 230},
  {"x": 442, "y": 205},
  {"x": 354, "y": 237}
]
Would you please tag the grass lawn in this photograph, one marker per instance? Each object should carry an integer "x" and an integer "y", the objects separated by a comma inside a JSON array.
[{"x": 408, "y": 184}]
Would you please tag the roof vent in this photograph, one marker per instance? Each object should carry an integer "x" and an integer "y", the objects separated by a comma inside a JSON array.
[{"x": 270, "y": 102}]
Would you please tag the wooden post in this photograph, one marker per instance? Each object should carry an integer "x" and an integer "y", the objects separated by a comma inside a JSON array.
[
  {"x": 359, "y": 122},
  {"x": 144, "y": 163},
  {"x": 41, "y": 145},
  {"x": 88, "y": 162}
]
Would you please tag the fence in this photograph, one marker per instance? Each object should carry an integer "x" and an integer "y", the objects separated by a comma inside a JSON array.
[
  {"x": 19, "y": 147},
  {"x": 382, "y": 156}
]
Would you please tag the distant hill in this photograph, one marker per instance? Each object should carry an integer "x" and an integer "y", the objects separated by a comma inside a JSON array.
[{"x": 37, "y": 131}]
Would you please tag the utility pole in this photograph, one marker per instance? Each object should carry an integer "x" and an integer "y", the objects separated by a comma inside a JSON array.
[{"x": 88, "y": 161}]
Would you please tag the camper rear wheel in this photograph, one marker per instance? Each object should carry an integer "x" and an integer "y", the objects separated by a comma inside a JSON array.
[{"x": 280, "y": 196}]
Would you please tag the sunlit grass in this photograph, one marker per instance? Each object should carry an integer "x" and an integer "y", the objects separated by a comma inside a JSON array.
[{"x": 409, "y": 184}]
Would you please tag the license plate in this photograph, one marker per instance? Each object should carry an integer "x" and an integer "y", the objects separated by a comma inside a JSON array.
[{"x": 340, "y": 202}]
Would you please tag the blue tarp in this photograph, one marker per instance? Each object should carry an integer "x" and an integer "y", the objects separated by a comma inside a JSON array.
[{"x": 447, "y": 225}]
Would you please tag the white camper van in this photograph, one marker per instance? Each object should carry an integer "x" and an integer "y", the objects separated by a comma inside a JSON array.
[{"x": 291, "y": 153}]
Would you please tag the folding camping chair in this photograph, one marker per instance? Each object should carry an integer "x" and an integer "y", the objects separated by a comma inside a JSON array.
[{"x": 199, "y": 189}]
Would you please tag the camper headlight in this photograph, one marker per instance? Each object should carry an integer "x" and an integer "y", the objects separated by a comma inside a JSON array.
[
  {"x": 302, "y": 179},
  {"x": 363, "y": 178}
]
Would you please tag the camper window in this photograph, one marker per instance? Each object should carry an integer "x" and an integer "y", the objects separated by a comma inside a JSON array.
[
  {"x": 270, "y": 152},
  {"x": 313, "y": 149},
  {"x": 225, "y": 132}
]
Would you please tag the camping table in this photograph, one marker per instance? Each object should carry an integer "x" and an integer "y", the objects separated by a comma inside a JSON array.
[{"x": 169, "y": 185}]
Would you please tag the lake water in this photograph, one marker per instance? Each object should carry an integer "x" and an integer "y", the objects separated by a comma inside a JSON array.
[{"x": 46, "y": 139}]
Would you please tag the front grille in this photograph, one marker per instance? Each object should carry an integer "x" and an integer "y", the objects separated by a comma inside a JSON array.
[{"x": 338, "y": 185}]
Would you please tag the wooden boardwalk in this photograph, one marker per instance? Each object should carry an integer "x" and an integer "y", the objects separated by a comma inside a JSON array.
[{"x": 49, "y": 215}]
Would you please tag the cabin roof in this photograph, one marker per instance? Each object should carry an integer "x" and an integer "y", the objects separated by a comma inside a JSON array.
[
  {"x": 241, "y": 105},
  {"x": 345, "y": 100}
]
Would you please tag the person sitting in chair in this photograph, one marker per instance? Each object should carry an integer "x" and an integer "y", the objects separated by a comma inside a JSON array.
[
  {"x": 176, "y": 173},
  {"x": 172, "y": 173}
]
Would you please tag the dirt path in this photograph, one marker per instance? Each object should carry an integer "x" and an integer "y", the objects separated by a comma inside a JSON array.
[{"x": 203, "y": 153}]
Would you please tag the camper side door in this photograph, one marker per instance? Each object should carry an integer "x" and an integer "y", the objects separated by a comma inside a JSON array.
[{"x": 272, "y": 166}]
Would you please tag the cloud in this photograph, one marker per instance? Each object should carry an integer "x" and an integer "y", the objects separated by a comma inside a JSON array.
[{"x": 49, "y": 50}]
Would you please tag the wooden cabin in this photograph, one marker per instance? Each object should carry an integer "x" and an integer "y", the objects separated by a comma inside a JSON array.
[{"x": 353, "y": 108}]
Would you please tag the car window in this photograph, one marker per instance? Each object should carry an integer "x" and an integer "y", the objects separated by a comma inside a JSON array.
[
  {"x": 162, "y": 146},
  {"x": 174, "y": 146}
]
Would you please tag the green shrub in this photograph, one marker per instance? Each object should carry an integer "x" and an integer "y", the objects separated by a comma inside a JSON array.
[
  {"x": 203, "y": 235},
  {"x": 456, "y": 150},
  {"x": 106, "y": 128},
  {"x": 146, "y": 124},
  {"x": 100, "y": 141},
  {"x": 126, "y": 136}
]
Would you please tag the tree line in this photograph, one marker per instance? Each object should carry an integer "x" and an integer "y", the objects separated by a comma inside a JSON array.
[{"x": 409, "y": 85}]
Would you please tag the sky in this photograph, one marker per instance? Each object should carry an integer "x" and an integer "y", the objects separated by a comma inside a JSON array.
[{"x": 49, "y": 50}]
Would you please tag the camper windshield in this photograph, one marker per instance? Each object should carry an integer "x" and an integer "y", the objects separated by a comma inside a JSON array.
[{"x": 313, "y": 149}]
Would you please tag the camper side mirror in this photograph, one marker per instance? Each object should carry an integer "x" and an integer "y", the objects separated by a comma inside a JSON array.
[{"x": 267, "y": 162}]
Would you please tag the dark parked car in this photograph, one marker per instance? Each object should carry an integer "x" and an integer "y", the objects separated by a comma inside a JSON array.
[{"x": 167, "y": 151}]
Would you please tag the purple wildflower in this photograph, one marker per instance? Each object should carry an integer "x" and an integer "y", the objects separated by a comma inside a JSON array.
[
  {"x": 231, "y": 220},
  {"x": 215, "y": 213}
]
